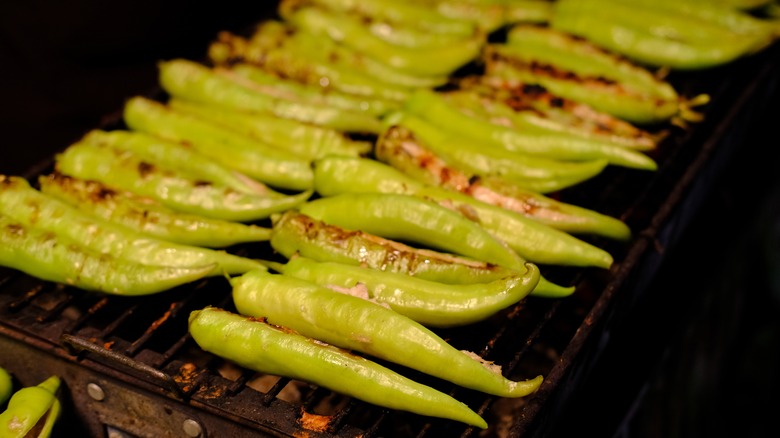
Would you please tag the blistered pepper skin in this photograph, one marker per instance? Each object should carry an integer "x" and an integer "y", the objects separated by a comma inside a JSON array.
[
  {"x": 147, "y": 216},
  {"x": 430, "y": 303},
  {"x": 32, "y": 208},
  {"x": 296, "y": 233},
  {"x": 353, "y": 323},
  {"x": 192, "y": 81},
  {"x": 409, "y": 218},
  {"x": 49, "y": 257},
  {"x": 533, "y": 240},
  {"x": 125, "y": 171}
]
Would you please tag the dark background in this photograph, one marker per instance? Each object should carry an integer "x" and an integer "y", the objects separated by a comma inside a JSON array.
[
  {"x": 66, "y": 65},
  {"x": 704, "y": 352}
]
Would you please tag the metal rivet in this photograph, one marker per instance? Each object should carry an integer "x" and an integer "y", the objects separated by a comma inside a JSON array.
[
  {"x": 192, "y": 428},
  {"x": 95, "y": 391}
]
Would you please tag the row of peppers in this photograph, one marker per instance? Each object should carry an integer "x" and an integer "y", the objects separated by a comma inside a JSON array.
[{"x": 361, "y": 104}]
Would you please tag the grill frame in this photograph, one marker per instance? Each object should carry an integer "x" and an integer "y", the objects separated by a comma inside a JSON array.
[{"x": 141, "y": 376}]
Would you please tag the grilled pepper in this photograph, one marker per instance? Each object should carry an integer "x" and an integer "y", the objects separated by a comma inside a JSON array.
[
  {"x": 355, "y": 324},
  {"x": 656, "y": 36},
  {"x": 434, "y": 108},
  {"x": 408, "y": 218},
  {"x": 179, "y": 157},
  {"x": 533, "y": 240},
  {"x": 51, "y": 257},
  {"x": 148, "y": 216},
  {"x": 34, "y": 209},
  {"x": 124, "y": 170},
  {"x": 32, "y": 411},
  {"x": 264, "y": 162},
  {"x": 316, "y": 62},
  {"x": 350, "y": 31},
  {"x": 192, "y": 81},
  {"x": 295, "y": 233},
  {"x": 303, "y": 140},
  {"x": 430, "y": 303},
  {"x": 262, "y": 347},
  {"x": 425, "y": 145}
]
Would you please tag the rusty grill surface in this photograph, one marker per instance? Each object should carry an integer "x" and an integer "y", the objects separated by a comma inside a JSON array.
[{"x": 129, "y": 365}]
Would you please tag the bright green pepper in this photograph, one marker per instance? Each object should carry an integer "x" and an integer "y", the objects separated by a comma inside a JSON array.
[
  {"x": 32, "y": 208},
  {"x": 409, "y": 218},
  {"x": 193, "y": 81},
  {"x": 352, "y": 32},
  {"x": 418, "y": 144},
  {"x": 409, "y": 13},
  {"x": 177, "y": 156},
  {"x": 124, "y": 171},
  {"x": 262, "y": 347},
  {"x": 488, "y": 16},
  {"x": 32, "y": 410},
  {"x": 436, "y": 109},
  {"x": 356, "y": 324},
  {"x": 664, "y": 38},
  {"x": 50, "y": 257},
  {"x": 305, "y": 141},
  {"x": 318, "y": 63},
  {"x": 264, "y": 162},
  {"x": 148, "y": 216},
  {"x": 532, "y": 120},
  {"x": 537, "y": 106},
  {"x": 295, "y": 233},
  {"x": 6, "y": 386},
  {"x": 336, "y": 175},
  {"x": 430, "y": 303},
  {"x": 311, "y": 92}
]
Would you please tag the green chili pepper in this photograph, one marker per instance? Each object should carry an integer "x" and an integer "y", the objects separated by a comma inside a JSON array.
[
  {"x": 531, "y": 120},
  {"x": 430, "y": 303},
  {"x": 420, "y": 148},
  {"x": 352, "y": 32},
  {"x": 353, "y": 323},
  {"x": 32, "y": 411},
  {"x": 177, "y": 156},
  {"x": 621, "y": 30},
  {"x": 410, "y": 13},
  {"x": 295, "y": 233},
  {"x": 50, "y": 257},
  {"x": 266, "y": 163},
  {"x": 258, "y": 346},
  {"x": 436, "y": 109},
  {"x": 311, "y": 92},
  {"x": 583, "y": 71},
  {"x": 193, "y": 81},
  {"x": 407, "y": 32},
  {"x": 336, "y": 175},
  {"x": 488, "y": 16},
  {"x": 6, "y": 386},
  {"x": 316, "y": 62},
  {"x": 148, "y": 216},
  {"x": 124, "y": 171},
  {"x": 532, "y": 240},
  {"x": 305, "y": 141},
  {"x": 409, "y": 218},
  {"x": 537, "y": 106},
  {"x": 32, "y": 208}
]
